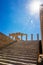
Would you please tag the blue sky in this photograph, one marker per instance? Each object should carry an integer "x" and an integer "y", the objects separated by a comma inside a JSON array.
[{"x": 15, "y": 16}]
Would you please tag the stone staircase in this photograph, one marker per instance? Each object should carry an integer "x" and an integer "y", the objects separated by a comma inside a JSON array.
[{"x": 20, "y": 53}]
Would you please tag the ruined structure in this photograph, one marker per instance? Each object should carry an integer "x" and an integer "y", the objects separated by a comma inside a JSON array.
[{"x": 15, "y": 35}]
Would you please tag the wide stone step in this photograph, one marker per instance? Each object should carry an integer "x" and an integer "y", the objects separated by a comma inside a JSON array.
[
  {"x": 16, "y": 56},
  {"x": 4, "y": 63},
  {"x": 35, "y": 54},
  {"x": 22, "y": 52},
  {"x": 19, "y": 58},
  {"x": 14, "y": 50},
  {"x": 28, "y": 57},
  {"x": 22, "y": 47},
  {"x": 19, "y": 53},
  {"x": 18, "y": 61}
]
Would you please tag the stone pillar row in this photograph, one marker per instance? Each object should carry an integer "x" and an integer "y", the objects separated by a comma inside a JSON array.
[
  {"x": 36, "y": 35},
  {"x": 27, "y": 37}
]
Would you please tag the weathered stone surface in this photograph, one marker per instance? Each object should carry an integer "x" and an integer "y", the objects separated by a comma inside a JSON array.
[
  {"x": 41, "y": 22},
  {"x": 20, "y": 53}
]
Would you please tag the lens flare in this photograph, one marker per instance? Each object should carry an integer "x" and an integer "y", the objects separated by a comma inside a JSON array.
[{"x": 34, "y": 7}]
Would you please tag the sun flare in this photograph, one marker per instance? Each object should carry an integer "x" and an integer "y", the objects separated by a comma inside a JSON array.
[{"x": 34, "y": 7}]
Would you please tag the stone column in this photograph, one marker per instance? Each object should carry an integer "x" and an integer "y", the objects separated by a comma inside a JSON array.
[
  {"x": 37, "y": 36},
  {"x": 9, "y": 35},
  {"x": 31, "y": 36},
  {"x": 26, "y": 37},
  {"x": 41, "y": 24},
  {"x": 12, "y": 37},
  {"x": 21, "y": 37}
]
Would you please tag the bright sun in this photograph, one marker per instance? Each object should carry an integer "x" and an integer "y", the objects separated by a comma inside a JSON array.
[{"x": 34, "y": 7}]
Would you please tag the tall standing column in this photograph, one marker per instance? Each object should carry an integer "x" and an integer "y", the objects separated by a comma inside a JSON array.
[
  {"x": 37, "y": 36},
  {"x": 31, "y": 36},
  {"x": 21, "y": 37},
  {"x": 26, "y": 37},
  {"x": 12, "y": 37},
  {"x": 41, "y": 22},
  {"x": 9, "y": 35}
]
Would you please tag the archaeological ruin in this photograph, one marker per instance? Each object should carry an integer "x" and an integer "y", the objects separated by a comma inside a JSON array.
[{"x": 16, "y": 51}]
